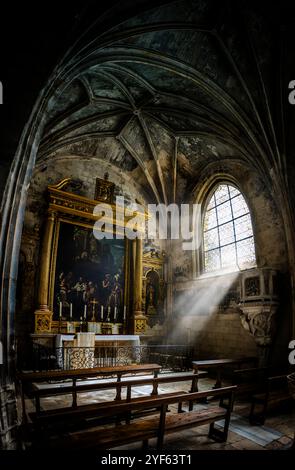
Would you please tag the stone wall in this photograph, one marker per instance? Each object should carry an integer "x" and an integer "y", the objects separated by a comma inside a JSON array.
[
  {"x": 222, "y": 336},
  {"x": 206, "y": 314},
  {"x": 214, "y": 327}
]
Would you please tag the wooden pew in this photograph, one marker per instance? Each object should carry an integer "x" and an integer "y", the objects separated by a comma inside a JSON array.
[
  {"x": 276, "y": 392},
  {"x": 249, "y": 381},
  {"x": 26, "y": 379},
  {"x": 220, "y": 364},
  {"x": 77, "y": 415},
  {"x": 157, "y": 426}
]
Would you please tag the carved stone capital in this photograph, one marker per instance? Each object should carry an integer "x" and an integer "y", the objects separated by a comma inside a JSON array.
[{"x": 259, "y": 320}]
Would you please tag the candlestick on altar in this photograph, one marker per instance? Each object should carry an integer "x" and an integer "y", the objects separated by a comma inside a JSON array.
[
  {"x": 109, "y": 312},
  {"x": 124, "y": 315},
  {"x": 60, "y": 309},
  {"x": 115, "y": 313},
  {"x": 85, "y": 312},
  {"x": 94, "y": 303},
  {"x": 101, "y": 313},
  {"x": 71, "y": 311}
]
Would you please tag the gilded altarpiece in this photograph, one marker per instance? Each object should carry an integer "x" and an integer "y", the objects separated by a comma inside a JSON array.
[{"x": 83, "y": 280}]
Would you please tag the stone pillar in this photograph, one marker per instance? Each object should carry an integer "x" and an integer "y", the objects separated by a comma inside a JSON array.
[
  {"x": 140, "y": 320},
  {"x": 43, "y": 316}
]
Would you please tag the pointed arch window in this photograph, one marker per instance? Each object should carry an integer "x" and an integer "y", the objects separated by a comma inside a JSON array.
[{"x": 227, "y": 231}]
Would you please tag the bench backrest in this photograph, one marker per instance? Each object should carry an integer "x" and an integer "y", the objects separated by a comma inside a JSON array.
[
  {"x": 157, "y": 402},
  {"x": 155, "y": 427},
  {"x": 278, "y": 382},
  {"x": 256, "y": 375},
  {"x": 63, "y": 390},
  {"x": 84, "y": 373}
]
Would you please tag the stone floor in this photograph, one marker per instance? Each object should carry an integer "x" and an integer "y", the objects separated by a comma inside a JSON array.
[{"x": 277, "y": 432}]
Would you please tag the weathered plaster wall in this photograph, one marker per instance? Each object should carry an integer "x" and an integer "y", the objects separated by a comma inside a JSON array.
[
  {"x": 215, "y": 331},
  {"x": 206, "y": 314},
  {"x": 79, "y": 168}
]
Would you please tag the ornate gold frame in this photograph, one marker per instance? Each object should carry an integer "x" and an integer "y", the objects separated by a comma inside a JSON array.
[{"x": 78, "y": 210}]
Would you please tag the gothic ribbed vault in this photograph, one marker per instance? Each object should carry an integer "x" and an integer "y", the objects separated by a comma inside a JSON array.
[{"x": 162, "y": 98}]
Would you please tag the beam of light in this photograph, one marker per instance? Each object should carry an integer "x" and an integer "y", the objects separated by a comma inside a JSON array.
[{"x": 201, "y": 299}]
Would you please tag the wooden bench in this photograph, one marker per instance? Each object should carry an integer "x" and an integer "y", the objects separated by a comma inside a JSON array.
[
  {"x": 143, "y": 429},
  {"x": 249, "y": 381},
  {"x": 276, "y": 393},
  {"x": 27, "y": 379},
  {"x": 220, "y": 364},
  {"x": 76, "y": 415}
]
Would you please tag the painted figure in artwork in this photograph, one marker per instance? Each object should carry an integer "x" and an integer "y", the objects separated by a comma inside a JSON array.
[
  {"x": 152, "y": 289},
  {"x": 88, "y": 271}
]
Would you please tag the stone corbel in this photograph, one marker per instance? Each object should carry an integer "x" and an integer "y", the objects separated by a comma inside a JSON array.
[{"x": 259, "y": 319}]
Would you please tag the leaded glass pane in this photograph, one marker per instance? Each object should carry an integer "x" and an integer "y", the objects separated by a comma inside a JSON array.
[
  {"x": 246, "y": 252},
  {"x": 210, "y": 219},
  {"x": 239, "y": 206},
  {"x": 227, "y": 231},
  {"x": 243, "y": 227},
  {"x": 228, "y": 255},
  {"x": 211, "y": 239},
  {"x": 226, "y": 234},
  {"x": 221, "y": 194},
  {"x": 233, "y": 191},
  {"x": 212, "y": 260},
  {"x": 211, "y": 203},
  {"x": 224, "y": 213}
]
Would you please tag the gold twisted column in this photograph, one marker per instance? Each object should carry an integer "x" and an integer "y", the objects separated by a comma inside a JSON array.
[{"x": 43, "y": 315}]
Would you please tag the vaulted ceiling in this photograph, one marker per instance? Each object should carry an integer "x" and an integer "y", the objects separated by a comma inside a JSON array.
[{"x": 168, "y": 92}]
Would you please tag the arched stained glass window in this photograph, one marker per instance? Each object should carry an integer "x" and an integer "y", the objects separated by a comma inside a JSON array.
[{"x": 227, "y": 231}]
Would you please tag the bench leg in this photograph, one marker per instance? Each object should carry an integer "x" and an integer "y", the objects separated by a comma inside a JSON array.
[
  {"x": 225, "y": 403},
  {"x": 155, "y": 383},
  {"x": 251, "y": 415},
  {"x": 128, "y": 417},
  {"x": 258, "y": 418},
  {"x": 145, "y": 444},
  {"x": 218, "y": 435}
]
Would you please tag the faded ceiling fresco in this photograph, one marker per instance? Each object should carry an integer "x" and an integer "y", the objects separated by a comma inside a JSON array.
[{"x": 168, "y": 92}]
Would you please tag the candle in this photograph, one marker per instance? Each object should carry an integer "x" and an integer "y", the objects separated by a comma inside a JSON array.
[
  {"x": 109, "y": 311},
  {"x": 71, "y": 311},
  {"x": 115, "y": 313},
  {"x": 101, "y": 313},
  {"x": 60, "y": 309},
  {"x": 85, "y": 312},
  {"x": 124, "y": 316}
]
